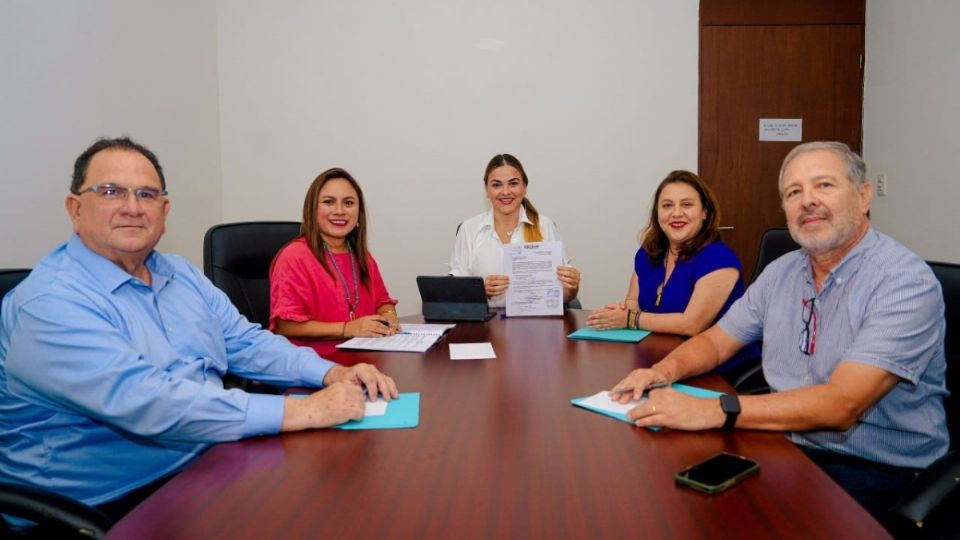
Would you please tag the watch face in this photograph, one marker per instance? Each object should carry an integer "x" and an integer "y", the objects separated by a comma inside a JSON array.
[{"x": 729, "y": 403}]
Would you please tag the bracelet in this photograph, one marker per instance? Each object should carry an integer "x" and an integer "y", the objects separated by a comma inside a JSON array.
[
  {"x": 343, "y": 330},
  {"x": 636, "y": 319},
  {"x": 629, "y": 319}
]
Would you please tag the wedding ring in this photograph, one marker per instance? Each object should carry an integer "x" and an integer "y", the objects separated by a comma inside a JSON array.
[{"x": 653, "y": 408}]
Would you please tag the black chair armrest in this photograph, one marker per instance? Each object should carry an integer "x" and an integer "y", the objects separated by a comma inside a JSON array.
[
  {"x": 929, "y": 488},
  {"x": 53, "y": 513},
  {"x": 749, "y": 380}
]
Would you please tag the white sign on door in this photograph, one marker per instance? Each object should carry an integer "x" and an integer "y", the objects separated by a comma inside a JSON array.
[{"x": 781, "y": 129}]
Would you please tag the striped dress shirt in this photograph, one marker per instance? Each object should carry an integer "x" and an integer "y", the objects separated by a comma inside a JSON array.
[{"x": 881, "y": 306}]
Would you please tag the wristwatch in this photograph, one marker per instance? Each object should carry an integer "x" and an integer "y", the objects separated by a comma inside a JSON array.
[{"x": 730, "y": 404}]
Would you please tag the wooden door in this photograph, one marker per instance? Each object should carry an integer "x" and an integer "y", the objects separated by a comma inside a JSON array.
[{"x": 772, "y": 59}]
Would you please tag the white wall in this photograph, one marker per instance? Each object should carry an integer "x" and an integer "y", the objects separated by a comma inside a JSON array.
[
  {"x": 73, "y": 71},
  {"x": 597, "y": 99},
  {"x": 911, "y": 112}
]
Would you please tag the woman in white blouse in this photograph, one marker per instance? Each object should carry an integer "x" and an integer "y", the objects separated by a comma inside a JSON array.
[{"x": 478, "y": 250}]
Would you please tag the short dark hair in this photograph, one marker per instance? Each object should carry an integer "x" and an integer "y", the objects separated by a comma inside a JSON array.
[{"x": 106, "y": 143}]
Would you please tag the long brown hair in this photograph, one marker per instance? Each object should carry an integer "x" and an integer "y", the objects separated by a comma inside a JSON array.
[
  {"x": 655, "y": 241},
  {"x": 310, "y": 229},
  {"x": 531, "y": 231}
]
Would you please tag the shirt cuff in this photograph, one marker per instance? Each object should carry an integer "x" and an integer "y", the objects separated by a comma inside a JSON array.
[
  {"x": 264, "y": 415},
  {"x": 314, "y": 369}
]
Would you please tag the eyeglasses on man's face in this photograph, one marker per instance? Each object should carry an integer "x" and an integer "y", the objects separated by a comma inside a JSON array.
[
  {"x": 808, "y": 336},
  {"x": 113, "y": 192}
]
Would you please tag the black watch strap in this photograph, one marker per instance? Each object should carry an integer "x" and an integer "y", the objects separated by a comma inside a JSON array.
[{"x": 730, "y": 404}]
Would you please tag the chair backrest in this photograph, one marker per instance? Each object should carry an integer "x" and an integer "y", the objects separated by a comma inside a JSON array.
[
  {"x": 949, "y": 276},
  {"x": 10, "y": 278},
  {"x": 237, "y": 257},
  {"x": 774, "y": 243}
]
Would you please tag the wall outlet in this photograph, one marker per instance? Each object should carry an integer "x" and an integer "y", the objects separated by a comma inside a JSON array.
[{"x": 882, "y": 184}]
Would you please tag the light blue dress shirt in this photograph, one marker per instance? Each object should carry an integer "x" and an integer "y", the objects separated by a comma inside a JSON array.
[
  {"x": 107, "y": 384},
  {"x": 881, "y": 306}
]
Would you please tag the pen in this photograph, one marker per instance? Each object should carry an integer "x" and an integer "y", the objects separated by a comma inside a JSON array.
[{"x": 647, "y": 389}]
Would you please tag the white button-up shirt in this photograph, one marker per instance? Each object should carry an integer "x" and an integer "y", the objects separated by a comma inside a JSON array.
[{"x": 478, "y": 250}]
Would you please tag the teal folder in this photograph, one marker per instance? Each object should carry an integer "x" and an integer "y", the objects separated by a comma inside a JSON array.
[
  {"x": 689, "y": 390},
  {"x": 623, "y": 335},
  {"x": 403, "y": 412}
]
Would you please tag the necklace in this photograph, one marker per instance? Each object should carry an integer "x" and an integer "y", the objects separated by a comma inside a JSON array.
[
  {"x": 664, "y": 282},
  {"x": 351, "y": 302}
]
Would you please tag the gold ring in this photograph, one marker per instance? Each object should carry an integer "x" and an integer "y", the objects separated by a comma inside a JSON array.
[{"x": 653, "y": 408}]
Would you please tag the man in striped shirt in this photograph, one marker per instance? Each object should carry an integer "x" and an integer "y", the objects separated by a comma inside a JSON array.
[{"x": 852, "y": 328}]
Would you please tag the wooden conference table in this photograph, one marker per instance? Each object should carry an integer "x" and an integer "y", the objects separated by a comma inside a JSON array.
[{"x": 500, "y": 453}]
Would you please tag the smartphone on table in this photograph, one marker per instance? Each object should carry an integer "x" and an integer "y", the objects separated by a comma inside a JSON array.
[{"x": 717, "y": 473}]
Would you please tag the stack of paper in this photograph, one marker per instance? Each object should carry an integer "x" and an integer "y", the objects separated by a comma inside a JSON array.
[{"x": 414, "y": 338}]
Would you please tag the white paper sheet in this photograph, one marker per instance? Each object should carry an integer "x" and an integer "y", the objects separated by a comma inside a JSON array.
[
  {"x": 471, "y": 351},
  {"x": 601, "y": 400},
  {"x": 396, "y": 343},
  {"x": 432, "y": 329},
  {"x": 534, "y": 287},
  {"x": 375, "y": 408}
]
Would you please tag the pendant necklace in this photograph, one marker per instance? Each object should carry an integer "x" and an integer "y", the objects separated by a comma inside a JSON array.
[
  {"x": 662, "y": 283},
  {"x": 352, "y": 303}
]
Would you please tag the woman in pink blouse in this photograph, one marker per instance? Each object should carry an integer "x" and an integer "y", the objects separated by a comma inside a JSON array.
[{"x": 324, "y": 285}]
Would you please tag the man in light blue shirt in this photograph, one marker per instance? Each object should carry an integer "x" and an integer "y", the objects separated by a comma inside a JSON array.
[
  {"x": 852, "y": 328},
  {"x": 112, "y": 354}
]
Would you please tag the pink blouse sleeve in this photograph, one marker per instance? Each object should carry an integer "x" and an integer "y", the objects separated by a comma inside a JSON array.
[
  {"x": 379, "y": 288},
  {"x": 290, "y": 286}
]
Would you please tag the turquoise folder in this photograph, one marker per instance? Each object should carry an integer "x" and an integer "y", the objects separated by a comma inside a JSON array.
[
  {"x": 403, "y": 412},
  {"x": 689, "y": 390},
  {"x": 622, "y": 335}
]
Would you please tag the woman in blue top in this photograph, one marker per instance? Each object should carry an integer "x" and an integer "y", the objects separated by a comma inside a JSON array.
[{"x": 684, "y": 277}]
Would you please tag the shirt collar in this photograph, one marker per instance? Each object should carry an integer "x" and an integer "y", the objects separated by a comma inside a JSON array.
[
  {"x": 488, "y": 221},
  {"x": 848, "y": 265},
  {"x": 111, "y": 276}
]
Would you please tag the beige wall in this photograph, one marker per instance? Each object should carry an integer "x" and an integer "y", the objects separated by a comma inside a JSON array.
[
  {"x": 911, "y": 111},
  {"x": 598, "y": 100},
  {"x": 246, "y": 101},
  {"x": 74, "y": 71}
]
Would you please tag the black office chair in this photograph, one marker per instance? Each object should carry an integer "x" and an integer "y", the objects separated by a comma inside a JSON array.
[
  {"x": 931, "y": 502},
  {"x": 10, "y": 278},
  {"x": 774, "y": 243},
  {"x": 237, "y": 258},
  {"x": 56, "y": 516}
]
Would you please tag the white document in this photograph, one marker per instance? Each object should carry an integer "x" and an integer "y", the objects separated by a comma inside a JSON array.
[
  {"x": 471, "y": 351},
  {"x": 375, "y": 408},
  {"x": 431, "y": 329},
  {"x": 397, "y": 343},
  {"x": 601, "y": 400},
  {"x": 534, "y": 287}
]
